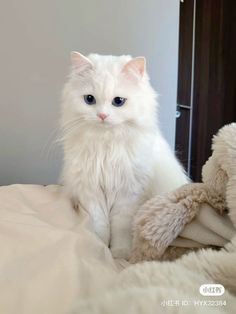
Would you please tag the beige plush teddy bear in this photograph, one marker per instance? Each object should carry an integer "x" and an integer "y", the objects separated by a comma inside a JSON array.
[{"x": 195, "y": 215}]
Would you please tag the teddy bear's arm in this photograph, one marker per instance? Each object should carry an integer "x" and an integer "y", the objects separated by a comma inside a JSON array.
[{"x": 160, "y": 220}]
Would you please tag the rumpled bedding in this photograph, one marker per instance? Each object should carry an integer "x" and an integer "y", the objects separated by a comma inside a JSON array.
[{"x": 52, "y": 262}]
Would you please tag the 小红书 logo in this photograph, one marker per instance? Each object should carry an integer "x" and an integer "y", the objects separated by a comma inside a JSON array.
[{"x": 212, "y": 289}]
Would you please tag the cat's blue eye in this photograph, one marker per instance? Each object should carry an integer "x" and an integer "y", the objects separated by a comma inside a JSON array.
[
  {"x": 118, "y": 101},
  {"x": 89, "y": 99}
]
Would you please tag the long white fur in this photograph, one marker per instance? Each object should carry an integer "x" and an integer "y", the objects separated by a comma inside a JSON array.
[{"x": 111, "y": 167}]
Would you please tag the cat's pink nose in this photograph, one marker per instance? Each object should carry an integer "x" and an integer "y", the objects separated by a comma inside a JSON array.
[{"x": 102, "y": 116}]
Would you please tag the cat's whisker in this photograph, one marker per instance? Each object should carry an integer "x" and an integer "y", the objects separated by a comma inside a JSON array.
[
  {"x": 49, "y": 144},
  {"x": 55, "y": 138},
  {"x": 53, "y": 149},
  {"x": 69, "y": 128}
]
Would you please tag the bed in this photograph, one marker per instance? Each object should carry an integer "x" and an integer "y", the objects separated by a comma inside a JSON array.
[{"x": 52, "y": 262}]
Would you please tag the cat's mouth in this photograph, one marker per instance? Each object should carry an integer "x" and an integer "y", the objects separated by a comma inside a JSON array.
[{"x": 106, "y": 123}]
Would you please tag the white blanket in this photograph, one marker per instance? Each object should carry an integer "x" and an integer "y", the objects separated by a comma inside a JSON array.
[{"x": 52, "y": 262}]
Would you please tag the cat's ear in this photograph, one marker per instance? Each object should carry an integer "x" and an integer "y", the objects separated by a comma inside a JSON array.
[
  {"x": 79, "y": 62},
  {"x": 136, "y": 66}
]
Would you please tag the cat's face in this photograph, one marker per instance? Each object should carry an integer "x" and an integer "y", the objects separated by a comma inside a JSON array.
[{"x": 107, "y": 91}]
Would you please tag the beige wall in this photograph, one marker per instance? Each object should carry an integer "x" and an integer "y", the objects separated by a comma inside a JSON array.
[{"x": 36, "y": 38}]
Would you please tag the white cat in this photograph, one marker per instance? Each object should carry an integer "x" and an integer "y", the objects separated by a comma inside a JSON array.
[{"x": 115, "y": 156}]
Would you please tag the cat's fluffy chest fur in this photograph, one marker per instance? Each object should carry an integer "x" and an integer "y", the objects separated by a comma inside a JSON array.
[
  {"x": 109, "y": 166},
  {"x": 115, "y": 157}
]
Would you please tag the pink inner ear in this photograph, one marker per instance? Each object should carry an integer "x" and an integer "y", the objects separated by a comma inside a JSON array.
[
  {"x": 137, "y": 65},
  {"x": 80, "y": 62}
]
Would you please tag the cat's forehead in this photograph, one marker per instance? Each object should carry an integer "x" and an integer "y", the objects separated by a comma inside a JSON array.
[
  {"x": 108, "y": 63},
  {"x": 105, "y": 77}
]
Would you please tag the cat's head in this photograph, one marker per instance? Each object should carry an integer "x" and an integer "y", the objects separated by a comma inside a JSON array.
[{"x": 108, "y": 91}]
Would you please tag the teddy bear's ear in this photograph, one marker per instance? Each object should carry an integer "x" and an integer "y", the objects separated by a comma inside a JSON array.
[{"x": 214, "y": 176}]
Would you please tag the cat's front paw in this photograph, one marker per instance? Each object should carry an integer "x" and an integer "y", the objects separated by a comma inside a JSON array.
[{"x": 121, "y": 252}]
